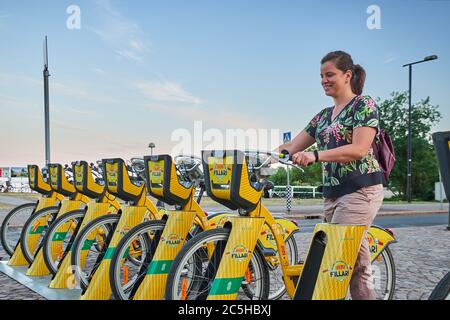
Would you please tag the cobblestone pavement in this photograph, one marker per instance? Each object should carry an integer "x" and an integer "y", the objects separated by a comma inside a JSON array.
[{"x": 422, "y": 258}]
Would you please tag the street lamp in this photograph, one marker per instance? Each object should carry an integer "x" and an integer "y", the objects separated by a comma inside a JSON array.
[
  {"x": 151, "y": 146},
  {"x": 46, "y": 105},
  {"x": 409, "y": 164}
]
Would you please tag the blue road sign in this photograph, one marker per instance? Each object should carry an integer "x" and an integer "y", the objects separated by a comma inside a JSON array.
[{"x": 286, "y": 137}]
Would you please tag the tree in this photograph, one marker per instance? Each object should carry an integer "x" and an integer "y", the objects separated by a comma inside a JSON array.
[
  {"x": 394, "y": 119},
  {"x": 279, "y": 178}
]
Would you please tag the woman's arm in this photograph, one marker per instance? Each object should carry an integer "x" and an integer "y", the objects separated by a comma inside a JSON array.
[
  {"x": 300, "y": 142},
  {"x": 362, "y": 140}
]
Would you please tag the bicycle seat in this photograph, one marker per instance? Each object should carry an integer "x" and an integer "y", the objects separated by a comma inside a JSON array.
[
  {"x": 227, "y": 179},
  {"x": 59, "y": 182},
  {"x": 84, "y": 181},
  {"x": 118, "y": 181},
  {"x": 163, "y": 182},
  {"x": 37, "y": 182}
]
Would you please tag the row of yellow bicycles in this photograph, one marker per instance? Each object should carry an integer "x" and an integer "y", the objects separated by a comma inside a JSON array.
[{"x": 136, "y": 230}]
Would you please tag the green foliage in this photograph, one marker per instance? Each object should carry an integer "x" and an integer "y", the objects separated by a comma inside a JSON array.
[
  {"x": 279, "y": 178},
  {"x": 394, "y": 119}
]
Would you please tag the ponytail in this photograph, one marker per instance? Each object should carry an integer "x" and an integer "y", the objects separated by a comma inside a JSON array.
[{"x": 358, "y": 79}]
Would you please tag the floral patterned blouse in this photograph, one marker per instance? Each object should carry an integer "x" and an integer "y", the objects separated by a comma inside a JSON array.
[{"x": 345, "y": 178}]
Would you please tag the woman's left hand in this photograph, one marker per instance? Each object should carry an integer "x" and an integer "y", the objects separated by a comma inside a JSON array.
[{"x": 303, "y": 158}]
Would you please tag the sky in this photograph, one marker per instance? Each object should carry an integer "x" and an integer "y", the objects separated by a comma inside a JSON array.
[{"x": 134, "y": 72}]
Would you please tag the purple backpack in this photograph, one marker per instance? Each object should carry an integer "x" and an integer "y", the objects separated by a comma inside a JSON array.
[{"x": 383, "y": 149}]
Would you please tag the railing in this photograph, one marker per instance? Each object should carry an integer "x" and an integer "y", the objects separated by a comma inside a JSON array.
[{"x": 297, "y": 191}]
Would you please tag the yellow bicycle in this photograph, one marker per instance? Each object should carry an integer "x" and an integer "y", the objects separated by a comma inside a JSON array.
[{"x": 214, "y": 263}]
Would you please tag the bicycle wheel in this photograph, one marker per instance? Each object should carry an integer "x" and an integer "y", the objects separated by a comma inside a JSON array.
[
  {"x": 277, "y": 286},
  {"x": 59, "y": 238},
  {"x": 36, "y": 227},
  {"x": 132, "y": 257},
  {"x": 90, "y": 246},
  {"x": 442, "y": 289},
  {"x": 383, "y": 271},
  {"x": 193, "y": 270},
  {"x": 12, "y": 226}
]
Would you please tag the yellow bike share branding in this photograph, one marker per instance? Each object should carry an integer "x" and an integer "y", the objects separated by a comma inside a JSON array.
[
  {"x": 220, "y": 171},
  {"x": 240, "y": 252},
  {"x": 378, "y": 239},
  {"x": 54, "y": 177},
  {"x": 79, "y": 177},
  {"x": 112, "y": 175},
  {"x": 156, "y": 173},
  {"x": 340, "y": 270},
  {"x": 32, "y": 177}
]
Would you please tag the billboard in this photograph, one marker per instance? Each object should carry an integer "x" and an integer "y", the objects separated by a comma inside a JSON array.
[{"x": 19, "y": 172}]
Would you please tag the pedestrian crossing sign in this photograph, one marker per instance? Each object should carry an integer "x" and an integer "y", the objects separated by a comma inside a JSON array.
[{"x": 286, "y": 137}]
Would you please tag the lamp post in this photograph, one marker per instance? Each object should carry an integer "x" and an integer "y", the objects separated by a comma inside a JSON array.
[
  {"x": 151, "y": 146},
  {"x": 46, "y": 105},
  {"x": 409, "y": 163}
]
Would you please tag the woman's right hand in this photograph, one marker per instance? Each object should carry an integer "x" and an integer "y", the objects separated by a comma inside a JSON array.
[{"x": 303, "y": 159}]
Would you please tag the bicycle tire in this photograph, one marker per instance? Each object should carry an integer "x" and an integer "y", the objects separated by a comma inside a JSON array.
[
  {"x": 29, "y": 256},
  {"x": 292, "y": 248},
  {"x": 442, "y": 289},
  {"x": 4, "y": 230},
  {"x": 116, "y": 260},
  {"x": 222, "y": 234},
  {"x": 79, "y": 242},
  {"x": 389, "y": 258},
  {"x": 49, "y": 236}
]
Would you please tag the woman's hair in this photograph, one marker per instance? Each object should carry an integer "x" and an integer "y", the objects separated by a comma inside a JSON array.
[{"x": 344, "y": 62}]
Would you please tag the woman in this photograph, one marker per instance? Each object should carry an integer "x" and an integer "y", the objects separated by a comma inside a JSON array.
[{"x": 344, "y": 133}]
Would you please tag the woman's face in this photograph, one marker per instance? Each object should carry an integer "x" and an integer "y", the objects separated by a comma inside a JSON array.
[{"x": 334, "y": 81}]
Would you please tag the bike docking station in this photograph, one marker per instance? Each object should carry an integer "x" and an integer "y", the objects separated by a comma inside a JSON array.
[
  {"x": 102, "y": 203},
  {"x": 140, "y": 208},
  {"x": 35, "y": 274},
  {"x": 89, "y": 216}
]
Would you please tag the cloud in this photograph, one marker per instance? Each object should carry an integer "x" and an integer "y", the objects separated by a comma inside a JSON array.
[
  {"x": 99, "y": 71},
  {"x": 219, "y": 118},
  {"x": 389, "y": 60},
  {"x": 167, "y": 91},
  {"x": 122, "y": 34}
]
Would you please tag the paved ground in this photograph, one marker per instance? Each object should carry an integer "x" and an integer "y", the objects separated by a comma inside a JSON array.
[{"x": 422, "y": 258}]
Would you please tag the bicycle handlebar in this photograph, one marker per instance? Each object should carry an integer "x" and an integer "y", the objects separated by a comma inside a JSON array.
[{"x": 283, "y": 157}]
